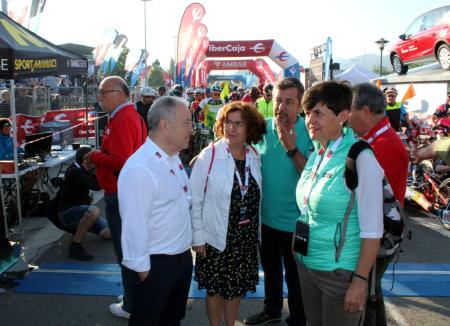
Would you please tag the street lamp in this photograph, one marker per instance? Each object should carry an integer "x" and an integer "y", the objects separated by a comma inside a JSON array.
[
  {"x": 145, "y": 38},
  {"x": 381, "y": 43}
]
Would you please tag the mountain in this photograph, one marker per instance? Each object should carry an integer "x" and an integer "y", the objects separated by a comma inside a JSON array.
[{"x": 368, "y": 61}]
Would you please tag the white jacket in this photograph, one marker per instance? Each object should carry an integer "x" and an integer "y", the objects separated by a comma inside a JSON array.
[{"x": 210, "y": 210}]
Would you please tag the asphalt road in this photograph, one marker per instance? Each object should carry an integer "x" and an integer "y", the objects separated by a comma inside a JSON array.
[{"x": 430, "y": 244}]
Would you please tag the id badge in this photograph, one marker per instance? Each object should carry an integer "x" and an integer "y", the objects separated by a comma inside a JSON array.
[
  {"x": 243, "y": 219},
  {"x": 301, "y": 238}
]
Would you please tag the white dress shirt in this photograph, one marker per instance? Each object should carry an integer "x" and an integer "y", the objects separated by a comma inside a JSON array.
[{"x": 154, "y": 201}]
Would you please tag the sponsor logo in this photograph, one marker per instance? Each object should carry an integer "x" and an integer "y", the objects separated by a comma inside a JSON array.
[
  {"x": 258, "y": 48},
  {"x": 32, "y": 65},
  {"x": 292, "y": 70},
  {"x": 72, "y": 63},
  {"x": 60, "y": 117},
  {"x": 4, "y": 64},
  {"x": 197, "y": 14},
  {"x": 227, "y": 48},
  {"x": 28, "y": 127},
  {"x": 283, "y": 56},
  {"x": 230, "y": 64},
  {"x": 201, "y": 31}
]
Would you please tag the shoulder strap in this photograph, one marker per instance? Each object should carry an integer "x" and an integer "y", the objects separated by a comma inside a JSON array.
[
  {"x": 213, "y": 154},
  {"x": 351, "y": 179},
  {"x": 254, "y": 150},
  {"x": 350, "y": 173}
]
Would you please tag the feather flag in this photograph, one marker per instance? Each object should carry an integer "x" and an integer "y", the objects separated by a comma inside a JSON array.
[{"x": 410, "y": 93}]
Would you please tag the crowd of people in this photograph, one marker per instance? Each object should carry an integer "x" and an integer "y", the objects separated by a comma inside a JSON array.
[
  {"x": 269, "y": 188},
  {"x": 271, "y": 182}
]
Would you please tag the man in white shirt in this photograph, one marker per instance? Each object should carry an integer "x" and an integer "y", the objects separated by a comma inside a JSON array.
[{"x": 154, "y": 203}]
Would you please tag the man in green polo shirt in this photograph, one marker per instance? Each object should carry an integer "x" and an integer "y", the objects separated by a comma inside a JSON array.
[{"x": 284, "y": 151}]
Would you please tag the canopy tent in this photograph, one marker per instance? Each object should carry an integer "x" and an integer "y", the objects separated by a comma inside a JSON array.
[
  {"x": 356, "y": 74},
  {"x": 24, "y": 54}
]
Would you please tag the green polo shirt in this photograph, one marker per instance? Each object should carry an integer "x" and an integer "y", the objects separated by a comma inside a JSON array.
[{"x": 280, "y": 177}]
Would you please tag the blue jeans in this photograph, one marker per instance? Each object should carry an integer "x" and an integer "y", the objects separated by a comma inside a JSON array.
[
  {"x": 71, "y": 218},
  {"x": 115, "y": 226}
]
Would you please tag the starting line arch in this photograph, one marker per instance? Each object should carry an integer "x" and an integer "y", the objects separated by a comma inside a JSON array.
[{"x": 256, "y": 48}]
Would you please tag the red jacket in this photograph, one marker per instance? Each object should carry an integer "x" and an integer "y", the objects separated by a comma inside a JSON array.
[
  {"x": 392, "y": 156},
  {"x": 124, "y": 134}
]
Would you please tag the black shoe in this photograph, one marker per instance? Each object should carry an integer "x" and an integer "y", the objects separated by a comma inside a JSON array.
[
  {"x": 76, "y": 251},
  {"x": 261, "y": 318}
]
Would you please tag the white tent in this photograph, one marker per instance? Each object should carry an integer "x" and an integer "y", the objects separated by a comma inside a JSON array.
[{"x": 356, "y": 74}]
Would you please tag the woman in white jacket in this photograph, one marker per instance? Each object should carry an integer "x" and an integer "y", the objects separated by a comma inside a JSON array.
[{"x": 226, "y": 193}]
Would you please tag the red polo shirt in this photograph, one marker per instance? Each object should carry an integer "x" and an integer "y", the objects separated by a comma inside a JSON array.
[{"x": 392, "y": 156}]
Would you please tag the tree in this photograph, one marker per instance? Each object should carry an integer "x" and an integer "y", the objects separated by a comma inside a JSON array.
[
  {"x": 119, "y": 69},
  {"x": 156, "y": 75},
  {"x": 384, "y": 70}
]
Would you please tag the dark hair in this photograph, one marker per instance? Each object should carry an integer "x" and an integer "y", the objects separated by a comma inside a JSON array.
[
  {"x": 292, "y": 82},
  {"x": 81, "y": 152},
  {"x": 366, "y": 94},
  {"x": 337, "y": 96},
  {"x": 254, "y": 121},
  {"x": 5, "y": 122}
]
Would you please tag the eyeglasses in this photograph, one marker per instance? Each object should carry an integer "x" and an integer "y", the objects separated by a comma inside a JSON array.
[
  {"x": 216, "y": 94},
  {"x": 102, "y": 92},
  {"x": 237, "y": 124}
]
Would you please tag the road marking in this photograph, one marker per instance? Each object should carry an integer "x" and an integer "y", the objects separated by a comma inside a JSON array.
[
  {"x": 74, "y": 271},
  {"x": 435, "y": 225},
  {"x": 394, "y": 312}
]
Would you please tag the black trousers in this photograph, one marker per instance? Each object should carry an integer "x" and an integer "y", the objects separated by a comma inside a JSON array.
[
  {"x": 276, "y": 251},
  {"x": 161, "y": 298}
]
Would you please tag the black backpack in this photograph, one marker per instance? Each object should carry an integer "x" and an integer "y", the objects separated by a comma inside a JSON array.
[{"x": 393, "y": 214}]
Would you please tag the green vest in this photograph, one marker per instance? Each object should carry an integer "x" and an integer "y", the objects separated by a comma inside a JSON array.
[
  {"x": 266, "y": 109},
  {"x": 210, "y": 110},
  {"x": 326, "y": 209}
]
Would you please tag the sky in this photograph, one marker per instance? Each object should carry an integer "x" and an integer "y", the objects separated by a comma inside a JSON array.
[{"x": 298, "y": 26}]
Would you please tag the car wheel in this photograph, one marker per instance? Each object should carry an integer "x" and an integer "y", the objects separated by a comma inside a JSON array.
[
  {"x": 443, "y": 56},
  {"x": 398, "y": 65}
]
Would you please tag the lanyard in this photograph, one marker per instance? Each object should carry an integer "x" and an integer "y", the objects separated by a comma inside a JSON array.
[
  {"x": 184, "y": 181},
  {"x": 242, "y": 187},
  {"x": 322, "y": 159},
  {"x": 379, "y": 132}
]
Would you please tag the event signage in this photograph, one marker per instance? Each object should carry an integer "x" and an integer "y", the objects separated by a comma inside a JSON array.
[
  {"x": 30, "y": 124},
  {"x": 4, "y": 65},
  {"x": 34, "y": 64},
  {"x": 239, "y": 48}
]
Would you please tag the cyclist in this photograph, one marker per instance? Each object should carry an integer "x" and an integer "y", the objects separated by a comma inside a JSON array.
[
  {"x": 148, "y": 95},
  {"x": 177, "y": 90},
  {"x": 265, "y": 103},
  {"x": 395, "y": 111},
  {"x": 190, "y": 94},
  {"x": 211, "y": 106},
  {"x": 441, "y": 111}
]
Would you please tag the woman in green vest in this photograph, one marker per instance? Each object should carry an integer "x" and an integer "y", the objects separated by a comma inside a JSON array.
[{"x": 335, "y": 257}]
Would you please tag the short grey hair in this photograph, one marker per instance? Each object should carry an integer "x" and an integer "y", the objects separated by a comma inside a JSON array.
[
  {"x": 367, "y": 94},
  {"x": 164, "y": 108}
]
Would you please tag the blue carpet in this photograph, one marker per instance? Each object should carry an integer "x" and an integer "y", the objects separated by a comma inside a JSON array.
[{"x": 417, "y": 280}]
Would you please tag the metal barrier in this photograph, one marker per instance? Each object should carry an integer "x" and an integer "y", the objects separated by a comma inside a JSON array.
[{"x": 65, "y": 97}]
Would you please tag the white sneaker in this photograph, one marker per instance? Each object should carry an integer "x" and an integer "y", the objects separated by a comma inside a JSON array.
[
  {"x": 117, "y": 310},
  {"x": 120, "y": 298}
]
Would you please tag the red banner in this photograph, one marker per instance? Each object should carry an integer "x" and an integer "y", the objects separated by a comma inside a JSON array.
[
  {"x": 239, "y": 48},
  {"x": 189, "y": 22},
  {"x": 264, "y": 69},
  {"x": 199, "y": 57},
  {"x": 196, "y": 45},
  {"x": 29, "y": 125}
]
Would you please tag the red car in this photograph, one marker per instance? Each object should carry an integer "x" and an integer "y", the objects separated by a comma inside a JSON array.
[{"x": 427, "y": 39}]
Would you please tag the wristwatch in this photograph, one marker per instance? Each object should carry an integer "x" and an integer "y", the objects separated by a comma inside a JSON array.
[{"x": 291, "y": 153}]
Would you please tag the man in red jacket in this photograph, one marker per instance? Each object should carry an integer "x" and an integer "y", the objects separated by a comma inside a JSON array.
[
  {"x": 368, "y": 120},
  {"x": 125, "y": 133}
]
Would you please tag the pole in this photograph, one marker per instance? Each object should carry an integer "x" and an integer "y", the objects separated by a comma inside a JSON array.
[
  {"x": 381, "y": 61},
  {"x": 145, "y": 43},
  {"x": 5, "y": 7}
]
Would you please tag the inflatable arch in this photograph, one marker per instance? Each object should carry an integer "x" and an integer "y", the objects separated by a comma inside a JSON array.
[
  {"x": 258, "y": 48},
  {"x": 259, "y": 67}
]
